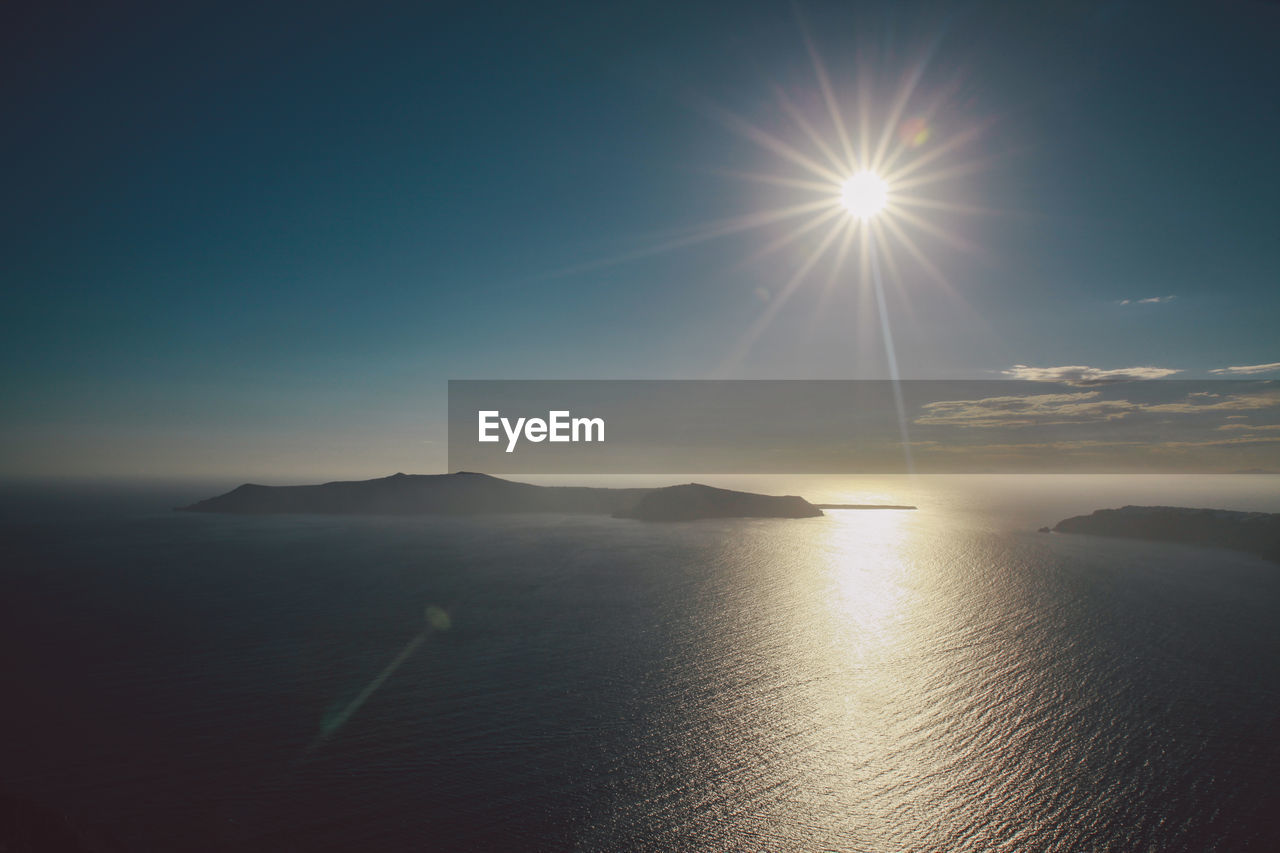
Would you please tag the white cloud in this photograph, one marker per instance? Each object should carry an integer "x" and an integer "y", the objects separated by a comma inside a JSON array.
[
  {"x": 1080, "y": 407},
  {"x": 1240, "y": 441},
  {"x": 1150, "y": 300},
  {"x": 1250, "y": 427},
  {"x": 1031, "y": 446},
  {"x": 1234, "y": 403},
  {"x": 1247, "y": 369},
  {"x": 1079, "y": 374},
  {"x": 1037, "y": 409},
  {"x": 1099, "y": 446}
]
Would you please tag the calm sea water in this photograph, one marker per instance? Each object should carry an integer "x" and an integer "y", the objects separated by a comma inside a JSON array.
[{"x": 945, "y": 679}]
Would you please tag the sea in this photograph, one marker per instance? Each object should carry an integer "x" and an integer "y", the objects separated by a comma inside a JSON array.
[{"x": 871, "y": 681}]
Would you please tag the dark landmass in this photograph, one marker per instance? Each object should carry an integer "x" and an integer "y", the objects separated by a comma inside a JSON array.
[
  {"x": 694, "y": 501},
  {"x": 466, "y": 493},
  {"x": 1252, "y": 532},
  {"x": 463, "y": 493},
  {"x": 863, "y": 506}
]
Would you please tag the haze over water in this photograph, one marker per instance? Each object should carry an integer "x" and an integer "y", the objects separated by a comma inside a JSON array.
[{"x": 943, "y": 679}]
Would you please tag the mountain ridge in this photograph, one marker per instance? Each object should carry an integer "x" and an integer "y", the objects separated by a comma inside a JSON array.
[
  {"x": 472, "y": 493},
  {"x": 1251, "y": 532}
]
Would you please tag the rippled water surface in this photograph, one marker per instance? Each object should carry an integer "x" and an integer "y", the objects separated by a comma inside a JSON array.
[{"x": 944, "y": 679}]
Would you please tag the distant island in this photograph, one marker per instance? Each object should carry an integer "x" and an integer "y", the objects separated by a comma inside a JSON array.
[
  {"x": 1252, "y": 532},
  {"x": 693, "y": 501},
  {"x": 466, "y": 493}
]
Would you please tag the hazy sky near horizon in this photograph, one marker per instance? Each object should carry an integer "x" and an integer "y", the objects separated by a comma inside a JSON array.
[{"x": 254, "y": 241}]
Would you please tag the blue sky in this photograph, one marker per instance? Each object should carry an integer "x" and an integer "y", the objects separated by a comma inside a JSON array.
[{"x": 250, "y": 242}]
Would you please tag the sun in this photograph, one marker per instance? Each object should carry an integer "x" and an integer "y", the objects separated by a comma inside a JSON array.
[
  {"x": 864, "y": 180},
  {"x": 864, "y": 195}
]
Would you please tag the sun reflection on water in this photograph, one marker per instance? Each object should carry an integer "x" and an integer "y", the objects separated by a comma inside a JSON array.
[{"x": 866, "y": 565}]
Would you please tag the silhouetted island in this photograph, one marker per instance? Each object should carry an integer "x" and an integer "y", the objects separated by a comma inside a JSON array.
[
  {"x": 466, "y": 493},
  {"x": 1253, "y": 532},
  {"x": 694, "y": 501}
]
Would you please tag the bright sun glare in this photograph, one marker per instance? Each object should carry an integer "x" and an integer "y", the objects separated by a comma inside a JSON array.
[
  {"x": 861, "y": 184},
  {"x": 864, "y": 195}
]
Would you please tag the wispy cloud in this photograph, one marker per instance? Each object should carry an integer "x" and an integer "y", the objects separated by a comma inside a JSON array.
[
  {"x": 1248, "y": 369},
  {"x": 1081, "y": 407},
  {"x": 1078, "y": 374},
  {"x": 1150, "y": 300},
  {"x": 1238, "y": 441},
  {"x": 1029, "y": 447},
  {"x": 1234, "y": 403},
  {"x": 1095, "y": 445},
  {"x": 1035, "y": 409}
]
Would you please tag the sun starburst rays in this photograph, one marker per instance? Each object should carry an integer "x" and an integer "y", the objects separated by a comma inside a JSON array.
[
  {"x": 879, "y": 174},
  {"x": 857, "y": 170}
]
